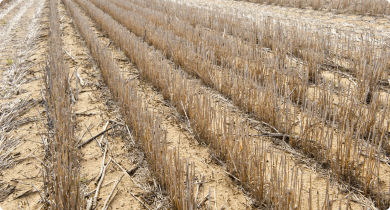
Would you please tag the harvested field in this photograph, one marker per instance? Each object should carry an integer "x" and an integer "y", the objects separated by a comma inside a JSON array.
[
  {"x": 373, "y": 7},
  {"x": 199, "y": 104}
]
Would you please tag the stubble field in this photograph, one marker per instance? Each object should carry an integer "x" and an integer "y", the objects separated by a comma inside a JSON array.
[{"x": 199, "y": 104}]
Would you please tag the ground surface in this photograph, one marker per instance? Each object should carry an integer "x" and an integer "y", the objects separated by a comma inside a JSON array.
[{"x": 23, "y": 47}]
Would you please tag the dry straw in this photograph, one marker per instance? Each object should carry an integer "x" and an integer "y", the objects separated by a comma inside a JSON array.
[
  {"x": 361, "y": 7},
  {"x": 11, "y": 117},
  {"x": 287, "y": 42},
  {"x": 175, "y": 175},
  {"x": 14, "y": 77},
  {"x": 248, "y": 162},
  {"x": 61, "y": 177},
  {"x": 12, "y": 113},
  {"x": 293, "y": 78},
  {"x": 273, "y": 91}
]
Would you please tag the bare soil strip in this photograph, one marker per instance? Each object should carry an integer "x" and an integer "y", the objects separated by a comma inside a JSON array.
[{"x": 21, "y": 177}]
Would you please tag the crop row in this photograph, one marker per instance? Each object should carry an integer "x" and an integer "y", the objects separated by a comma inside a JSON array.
[
  {"x": 182, "y": 96},
  {"x": 174, "y": 174},
  {"x": 61, "y": 177},
  {"x": 317, "y": 137},
  {"x": 373, "y": 7},
  {"x": 279, "y": 80},
  {"x": 291, "y": 38},
  {"x": 230, "y": 52},
  {"x": 245, "y": 159},
  {"x": 318, "y": 46},
  {"x": 298, "y": 46},
  {"x": 288, "y": 73}
]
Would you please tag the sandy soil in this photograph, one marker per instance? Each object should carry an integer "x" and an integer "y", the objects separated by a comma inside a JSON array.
[
  {"x": 23, "y": 177},
  {"x": 95, "y": 110}
]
